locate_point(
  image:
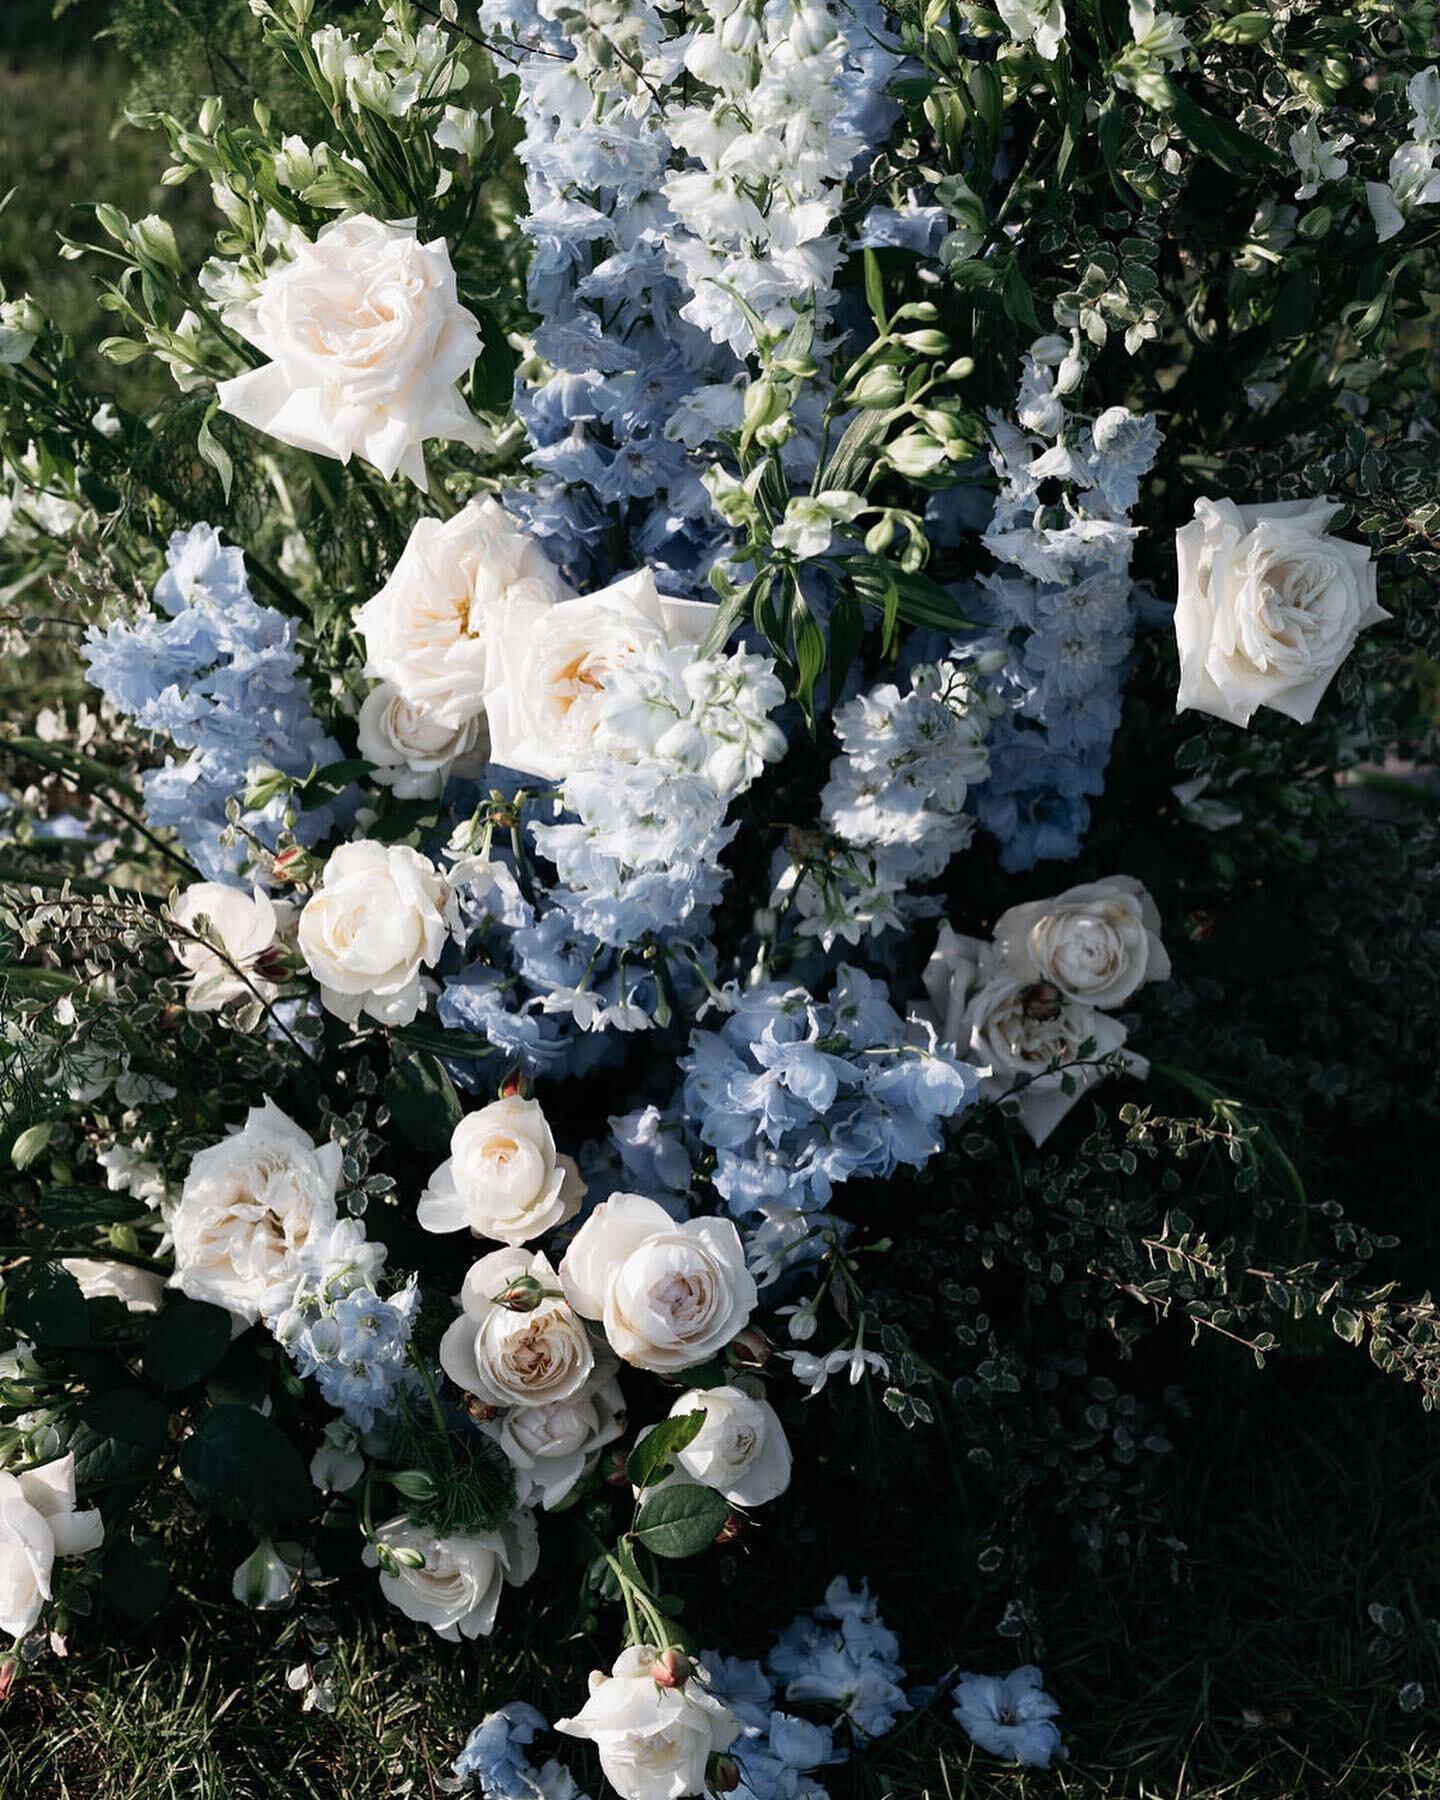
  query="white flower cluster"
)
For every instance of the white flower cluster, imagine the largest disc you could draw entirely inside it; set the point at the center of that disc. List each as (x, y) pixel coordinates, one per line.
(894, 803)
(773, 149)
(678, 739)
(1414, 179)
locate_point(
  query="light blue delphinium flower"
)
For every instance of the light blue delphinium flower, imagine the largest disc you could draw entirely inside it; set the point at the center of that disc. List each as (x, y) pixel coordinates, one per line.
(496, 1759)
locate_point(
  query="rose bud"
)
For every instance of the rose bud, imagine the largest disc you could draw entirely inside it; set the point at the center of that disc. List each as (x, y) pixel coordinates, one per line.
(293, 864)
(750, 1350)
(513, 1084)
(523, 1295)
(731, 1529)
(671, 1668)
(479, 1410)
(725, 1776)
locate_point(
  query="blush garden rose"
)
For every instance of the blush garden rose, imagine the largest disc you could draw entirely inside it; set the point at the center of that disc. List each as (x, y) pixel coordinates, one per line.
(669, 1295)
(525, 1354)
(1268, 607)
(379, 915)
(367, 339)
(504, 1178)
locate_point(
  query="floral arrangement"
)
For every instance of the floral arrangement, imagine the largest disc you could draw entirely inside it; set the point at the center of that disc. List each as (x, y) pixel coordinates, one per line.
(630, 866)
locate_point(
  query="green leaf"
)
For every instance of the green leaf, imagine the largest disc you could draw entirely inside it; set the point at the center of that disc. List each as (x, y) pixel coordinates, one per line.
(493, 375)
(46, 1304)
(136, 1575)
(650, 1459)
(847, 633)
(118, 1433)
(243, 1465)
(1214, 136)
(333, 779)
(186, 1343)
(681, 1520)
(70, 1209)
(918, 600)
(875, 292)
(423, 1102)
(212, 451)
(429, 1034)
(809, 655)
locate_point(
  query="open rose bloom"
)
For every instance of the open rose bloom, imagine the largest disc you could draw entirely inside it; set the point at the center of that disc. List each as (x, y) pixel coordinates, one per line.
(1269, 605)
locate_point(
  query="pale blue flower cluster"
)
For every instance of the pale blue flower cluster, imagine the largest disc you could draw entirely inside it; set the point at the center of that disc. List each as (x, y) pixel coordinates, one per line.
(624, 931)
(1011, 1716)
(640, 241)
(1061, 626)
(218, 675)
(338, 1330)
(843, 1655)
(496, 1759)
(794, 1094)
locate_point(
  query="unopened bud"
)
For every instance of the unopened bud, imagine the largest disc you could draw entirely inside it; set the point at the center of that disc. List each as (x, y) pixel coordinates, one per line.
(615, 1475)
(480, 1410)
(884, 386)
(293, 864)
(414, 1484)
(212, 111)
(764, 401)
(925, 343)
(725, 1776)
(523, 1295)
(750, 1350)
(30, 1143)
(515, 1083)
(272, 964)
(731, 1529)
(671, 1668)
(9, 1674)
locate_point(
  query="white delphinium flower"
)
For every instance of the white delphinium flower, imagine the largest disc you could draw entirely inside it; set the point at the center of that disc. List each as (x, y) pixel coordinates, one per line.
(1319, 160)
(1042, 24)
(1414, 181)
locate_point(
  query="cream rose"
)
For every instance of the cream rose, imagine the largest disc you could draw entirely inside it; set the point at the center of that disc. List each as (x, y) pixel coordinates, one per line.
(545, 667)
(741, 1449)
(413, 751)
(140, 1289)
(245, 927)
(427, 629)
(453, 1584)
(521, 1354)
(380, 914)
(1268, 607)
(250, 1206)
(1097, 943)
(1014, 1029)
(366, 338)
(504, 1178)
(38, 1522)
(551, 1446)
(654, 1741)
(669, 1295)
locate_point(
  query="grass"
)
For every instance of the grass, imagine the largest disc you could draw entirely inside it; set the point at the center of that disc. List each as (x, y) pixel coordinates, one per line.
(1241, 1668)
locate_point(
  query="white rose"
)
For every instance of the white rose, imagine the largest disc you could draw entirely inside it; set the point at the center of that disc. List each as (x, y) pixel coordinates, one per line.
(246, 926)
(1268, 607)
(741, 1450)
(141, 1289)
(504, 1178)
(669, 1295)
(551, 1446)
(366, 338)
(1013, 1029)
(546, 665)
(38, 1522)
(1097, 942)
(426, 630)
(250, 1206)
(654, 1741)
(380, 913)
(411, 749)
(455, 1589)
(509, 1357)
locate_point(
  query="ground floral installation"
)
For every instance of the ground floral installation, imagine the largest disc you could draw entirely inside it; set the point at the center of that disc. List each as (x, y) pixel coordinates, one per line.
(606, 653)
